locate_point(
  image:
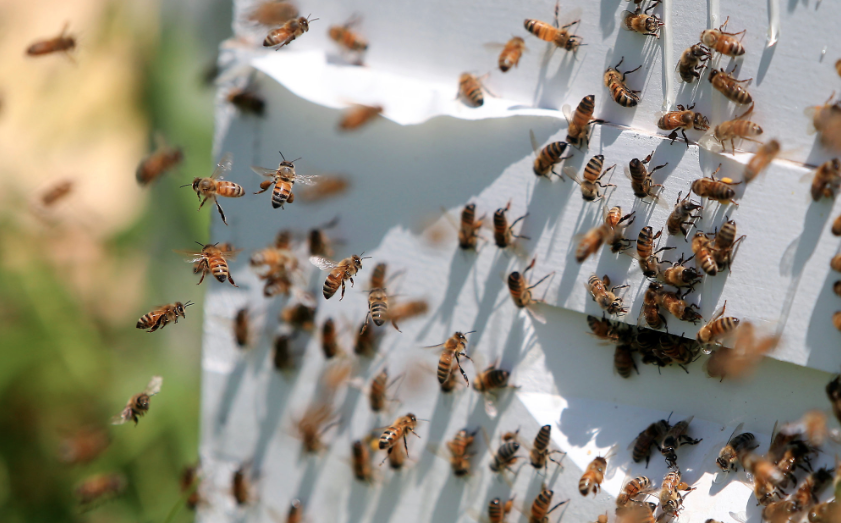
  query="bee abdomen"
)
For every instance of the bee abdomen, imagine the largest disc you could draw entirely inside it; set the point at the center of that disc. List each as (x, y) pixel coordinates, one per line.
(378, 312)
(230, 189)
(541, 441)
(331, 285)
(387, 439)
(280, 194)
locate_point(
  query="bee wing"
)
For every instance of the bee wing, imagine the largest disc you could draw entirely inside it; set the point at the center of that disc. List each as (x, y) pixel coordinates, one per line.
(493, 46)
(572, 174)
(536, 315)
(741, 517)
(627, 171)
(660, 201)
(490, 407)
(534, 145)
(190, 255)
(224, 166)
(154, 385)
(262, 171)
(709, 142)
(807, 177)
(736, 430)
(230, 255)
(124, 416)
(567, 110)
(310, 179)
(323, 263)
(625, 15)
(810, 112)
(570, 16)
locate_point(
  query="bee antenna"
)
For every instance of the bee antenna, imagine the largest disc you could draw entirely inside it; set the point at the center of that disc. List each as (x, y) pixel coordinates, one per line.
(188, 185)
(189, 303)
(466, 333)
(200, 244)
(419, 419)
(281, 155)
(296, 159)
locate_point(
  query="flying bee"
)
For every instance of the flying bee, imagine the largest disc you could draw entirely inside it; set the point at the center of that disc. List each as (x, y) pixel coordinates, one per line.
(282, 355)
(641, 181)
(559, 35)
(648, 437)
(64, 42)
(671, 500)
(548, 157)
(503, 233)
(591, 480)
(361, 462)
(683, 119)
(347, 39)
(188, 483)
(313, 424)
(488, 382)
(83, 446)
(718, 327)
(682, 215)
(703, 251)
(728, 457)
(804, 498)
(679, 275)
(138, 405)
(606, 299)
(242, 327)
(540, 506)
(761, 159)
(714, 189)
(726, 244)
(328, 186)
(272, 13)
(300, 316)
(635, 487)
(100, 487)
(642, 512)
(676, 305)
(247, 101)
(497, 510)
(642, 23)
(676, 437)
(339, 272)
(399, 429)
(826, 120)
(377, 397)
(212, 260)
(378, 309)
(318, 242)
(468, 236)
(161, 160)
(646, 254)
(511, 53)
(470, 89)
(520, 290)
(722, 42)
(540, 455)
(214, 186)
(460, 457)
(610, 232)
(726, 84)
(288, 32)
(330, 339)
(614, 80)
(590, 181)
(454, 348)
(579, 122)
(55, 193)
(162, 315)
(408, 310)
(359, 115)
(692, 60)
(733, 129)
(365, 343)
(826, 180)
(623, 360)
(283, 178)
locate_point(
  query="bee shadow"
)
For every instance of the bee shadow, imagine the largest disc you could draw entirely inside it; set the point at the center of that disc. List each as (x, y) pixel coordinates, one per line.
(229, 394)
(460, 266)
(388, 500)
(489, 302)
(607, 20)
(437, 428)
(449, 497)
(821, 328)
(276, 391)
(358, 501)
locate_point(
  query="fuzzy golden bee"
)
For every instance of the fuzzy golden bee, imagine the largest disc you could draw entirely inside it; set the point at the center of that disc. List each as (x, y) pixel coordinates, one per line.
(470, 90)
(590, 180)
(212, 187)
(641, 182)
(692, 60)
(715, 189)
(63, 43)
(726, 243)
(455, 347)
(339, 272)
(611, 233)
(401, 427)
(702, 249)
(646, 255)
(468, 236)
(671, 500)
(503, 232)
(138, 405)
(679, 275)
(348, 39)
(511, 53)
(723, 42)
(559, 35)
(682, 120)
(682, 216)
(161, 160)
(593, 476)
(283, 178)
(540, 507)
(162, 315)
(826, 180)
(540, 454)
(547, 157)
(642, 23)
(520, 290)
(359, 115)
(579, 122)
(288, 32)
(675, 303)
(717, 328)
(614, 80)
(652, 435)
(761, 159)
(212, 260)
(378, 309)
(735, 129)
(460, 457)
(726, 84)
(606, 299)
(634, 488)
(497, 510)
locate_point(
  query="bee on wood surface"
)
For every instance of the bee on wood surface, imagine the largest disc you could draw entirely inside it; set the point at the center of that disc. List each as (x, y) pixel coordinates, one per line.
(339, 272)
(511, 53)
(313, 424)
(703, 252)
(683, 119)
(761, 159)
(497, 510)
(330, 339)
(559, 35)
(650, 310)
(675, 303)
(606, 299)
(590, 181)
(679, 275)
(679, 350)
(520, 290)
(676, 437)
(725, 244)
(540, 510)
(503, 233)
(682, 215)
(64, 42)
(646, 255)
(623, 360)
(642, 512)
(546, 158)
(359, 115)
(614, 80)
(603, 329)
(377, 394)
(283, 178)
(652, 435)
(83, 446)
(826, 120)
(361, 462)
(214, 186)
(459, 457)
(717, 328)
(288, 32)
(505, 455)
(726, 84)
(378, 309)
(801, 500)
(99, 488)
(468, 235)
(399, 429)
(212, 260)
(579, 122)
(161, 160)
(348, 39)
(138, 405)
(642, 23)
(826, 180)
(722, 42)
(273, 13)
(692, 60)
(470, 89)
(454, 347)
(540, 454)
(733, 129)
(641, 182)
(241, 487)
(162, 315)
(593, 476)
(671, 500)
(715, 189)
(728, 457)
(638, 486)
(243, 333)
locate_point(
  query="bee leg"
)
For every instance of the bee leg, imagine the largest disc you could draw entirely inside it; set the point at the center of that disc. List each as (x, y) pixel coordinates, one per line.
(343, 291)
(394, 324)
(231, 279)
(673, 137)
(570, 24)
(682, 132)
(221, 212)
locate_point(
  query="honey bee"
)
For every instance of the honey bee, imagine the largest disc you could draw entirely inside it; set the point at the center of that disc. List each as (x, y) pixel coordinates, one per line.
(55, 193)
(470, 90)
(288, 32)
(678, 350)
(214, 260)
(468, 237)
(614, 80)
(728, 457)
(762, 159)
(722, 42)
(138, 405)
(359, 115)
(365, 343)
(826, 120)
(347, 39)
(247, 101)
(313, 424)
(683, 119)
(296, 512)
(714, 189)
(242, 327)
(328, 187)
(650, 309)
(64, 42)
(488, 382)
(540, 455)
(726, 84)
(678, 275)
(733, 129)
(676, 437)
(609, 232)
(835, 263)
(703, 251)
(361, 462)
(591, 480)
(399, 429)
(498, 510)
(454, 348)
(540, 506)
(642, 23)
(505, 455)
(823, 512)
(339, 272)
(717, 328)
(803, 499)
(273, 13)
(671, 500)
(407, 310)
(826, 180)
(282, 355)
(726, 244)
(318, 243)
(682, 215)
(548, 157)
(641, 512)
(511, 53)
(606, 299)
(458, 447)
(623, 361)
(396, 458)
(692, 60)
(329, 339)
(100, 487)
(641, 181)
(378, 309)
(214, 186)
(377, 393)
(561, 36)
(161, 160)
(241, 485)
(579, 122)
(283, 178)
(162, 315)
(635, 487)
(189, 483)
(503, 233)
(520, 290)
(590, 179)
(602, 328)
(84, 446)
(300, 316)
(646, 254)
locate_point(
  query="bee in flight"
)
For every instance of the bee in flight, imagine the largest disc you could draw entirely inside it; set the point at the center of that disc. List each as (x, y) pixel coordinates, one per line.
(470, 90)
(162, 159)
(214, 186)
(358, 115)
(100, 487)
(61, 43)
(339, 272)
(248, 101)
(401, 427)
(288, 32)
(273, 13)
(559, 35)
(212, 259)
(511, 53)
(347, 39)
(138, 405)
(283, 178)
(160, 316)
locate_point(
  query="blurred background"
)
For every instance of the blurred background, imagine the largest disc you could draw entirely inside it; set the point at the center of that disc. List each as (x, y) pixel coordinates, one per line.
(75, 276)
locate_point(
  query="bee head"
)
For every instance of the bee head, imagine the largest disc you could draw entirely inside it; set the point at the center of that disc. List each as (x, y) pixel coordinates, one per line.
(708, 37)
(722, 463)
(713, 74)
(700, 122)
(636, 164)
